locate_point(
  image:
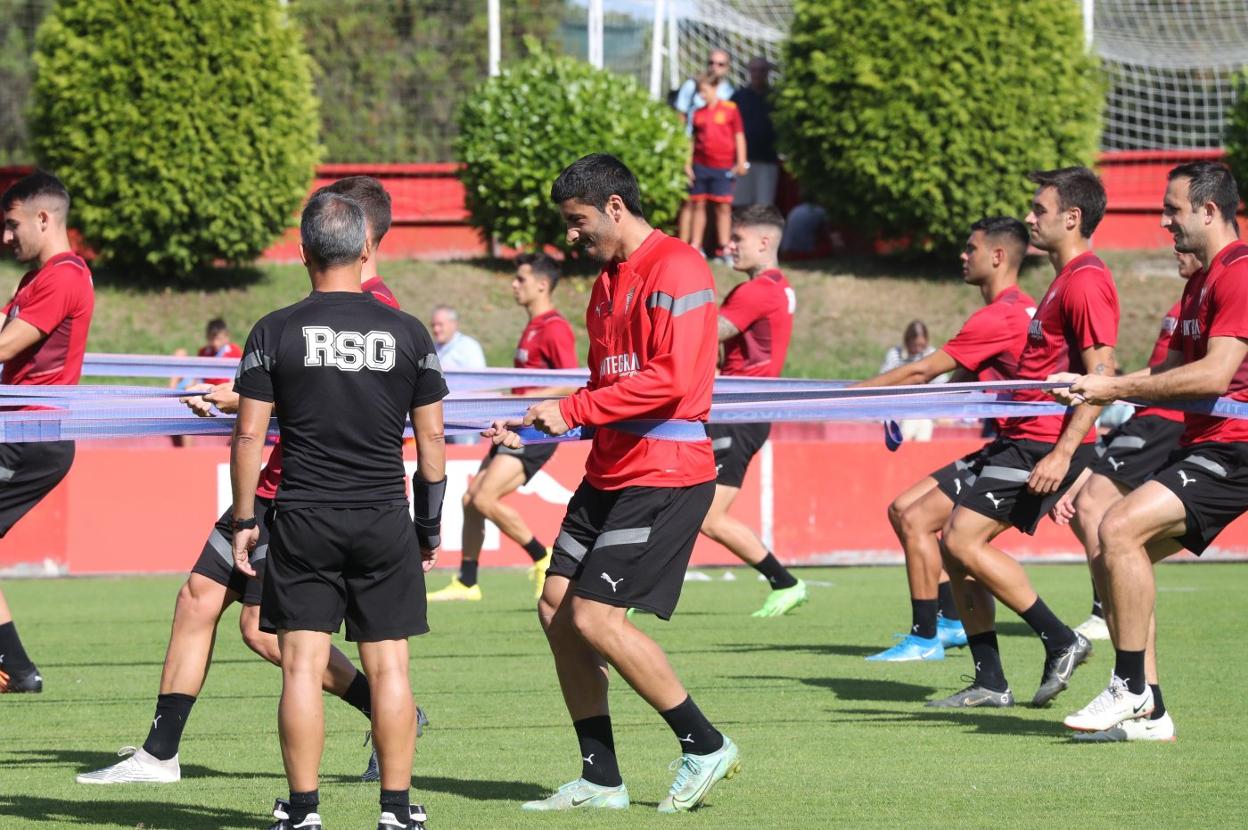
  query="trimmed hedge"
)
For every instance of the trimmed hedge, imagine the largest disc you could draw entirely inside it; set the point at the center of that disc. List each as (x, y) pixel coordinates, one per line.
(519, 130)
(1236, 141)
(910, 119)
(186, 131)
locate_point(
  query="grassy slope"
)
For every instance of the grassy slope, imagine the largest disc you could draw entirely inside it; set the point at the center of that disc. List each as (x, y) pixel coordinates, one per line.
(828, 740)
(849, 311)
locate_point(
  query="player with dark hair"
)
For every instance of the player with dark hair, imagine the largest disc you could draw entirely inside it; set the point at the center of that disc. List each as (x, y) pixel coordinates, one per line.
(755, 324)
(1128, 456)
(1036, 459)
(547, 342)
(43, 339)
(218, 344)
(214, 583)
(987, 347)
(631, 525)
(1204, 485)
(343, 373)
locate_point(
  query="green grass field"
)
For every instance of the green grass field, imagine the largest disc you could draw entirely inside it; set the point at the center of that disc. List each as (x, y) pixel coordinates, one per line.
(827, 739)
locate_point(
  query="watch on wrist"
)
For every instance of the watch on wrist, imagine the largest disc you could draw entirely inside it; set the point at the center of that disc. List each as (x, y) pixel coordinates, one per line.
(244, 524)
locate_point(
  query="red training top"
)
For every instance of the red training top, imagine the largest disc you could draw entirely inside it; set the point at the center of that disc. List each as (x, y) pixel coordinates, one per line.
(715, 131)
(652, 347)
(229, 350)
(58, 299)
(1080, 310)
(991, 340)
(547, 342)
(1215, 304)
(762, 310)
(1160, 349)
(271, 475)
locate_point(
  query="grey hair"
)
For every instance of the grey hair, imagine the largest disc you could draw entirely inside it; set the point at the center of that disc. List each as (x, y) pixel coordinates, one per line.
(333, 230)
(452, 313)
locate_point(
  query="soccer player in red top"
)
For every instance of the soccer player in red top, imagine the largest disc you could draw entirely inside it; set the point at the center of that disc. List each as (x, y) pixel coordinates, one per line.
(1204, 487)
(547, 342)
(649, 480)
(1036, 459)
(218, 345)
(42, 342)
(1130, 455)
(214, 584)
(717, 157)
(755, 324)
(987, 347)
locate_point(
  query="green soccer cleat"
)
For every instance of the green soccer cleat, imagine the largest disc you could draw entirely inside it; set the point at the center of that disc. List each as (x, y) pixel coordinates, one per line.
(784, 600)
(696, 774)
(581, 794)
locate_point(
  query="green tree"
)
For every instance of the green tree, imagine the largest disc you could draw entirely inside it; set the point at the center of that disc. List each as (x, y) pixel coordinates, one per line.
(1236, 141)
(913, 118)
(185, 130)
(18, 20)
(519, 130)
(390, 72)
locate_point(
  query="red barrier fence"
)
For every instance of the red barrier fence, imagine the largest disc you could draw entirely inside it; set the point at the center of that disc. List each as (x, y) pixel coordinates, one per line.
(430, 220)
(149, 509)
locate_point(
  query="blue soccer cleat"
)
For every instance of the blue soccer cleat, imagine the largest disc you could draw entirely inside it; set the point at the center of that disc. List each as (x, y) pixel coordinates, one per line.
(912, 649)
(950, 633)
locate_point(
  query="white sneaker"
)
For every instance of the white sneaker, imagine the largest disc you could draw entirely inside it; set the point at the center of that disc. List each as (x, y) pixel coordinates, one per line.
(1111, 707)
(140, 768)
(1094, 628)
(1140, 729)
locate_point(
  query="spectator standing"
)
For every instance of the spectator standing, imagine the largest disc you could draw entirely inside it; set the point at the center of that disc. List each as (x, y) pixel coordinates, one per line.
(456, 350)
(687, 101)
(716, 158)
(758, 185)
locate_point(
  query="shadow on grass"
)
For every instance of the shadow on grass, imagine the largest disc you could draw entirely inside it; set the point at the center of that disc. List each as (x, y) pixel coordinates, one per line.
(61, 812)
(831, 649)
(855, 688)
(974, 721)
(471, 788)
(85, 761)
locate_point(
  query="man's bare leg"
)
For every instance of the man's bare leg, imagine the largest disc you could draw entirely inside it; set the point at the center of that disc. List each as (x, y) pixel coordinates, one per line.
(735, 535)
(301, 716)
(394, 720)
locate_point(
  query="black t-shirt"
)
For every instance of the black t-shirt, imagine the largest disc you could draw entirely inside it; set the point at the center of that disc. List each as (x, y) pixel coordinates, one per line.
(343, 372)
(760, 133)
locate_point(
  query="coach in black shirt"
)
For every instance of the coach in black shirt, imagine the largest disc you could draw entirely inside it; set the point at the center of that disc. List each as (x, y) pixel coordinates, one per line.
(343, 372)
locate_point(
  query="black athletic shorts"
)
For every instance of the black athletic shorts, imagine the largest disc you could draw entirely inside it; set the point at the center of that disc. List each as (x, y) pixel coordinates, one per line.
(955, 479)
(361, 564)
(216, 560)
(28, 472)
(1211, 480)
(531, 456)
(1000, 490)
(631, 547)
(1131, 453)
(735, 445)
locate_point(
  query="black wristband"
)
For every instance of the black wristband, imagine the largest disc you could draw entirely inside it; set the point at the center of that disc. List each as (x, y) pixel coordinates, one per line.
(243, 524)
(427, 510)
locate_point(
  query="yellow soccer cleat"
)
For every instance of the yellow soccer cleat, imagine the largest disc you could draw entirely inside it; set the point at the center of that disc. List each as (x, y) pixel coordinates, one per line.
(456, 591)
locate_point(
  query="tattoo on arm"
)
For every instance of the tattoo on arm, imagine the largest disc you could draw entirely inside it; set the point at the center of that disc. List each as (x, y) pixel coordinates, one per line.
(1099, 369)
(727, 329)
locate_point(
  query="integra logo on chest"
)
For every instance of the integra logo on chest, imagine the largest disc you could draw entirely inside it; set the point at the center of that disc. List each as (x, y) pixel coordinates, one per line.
(349, 351)
(619, 364)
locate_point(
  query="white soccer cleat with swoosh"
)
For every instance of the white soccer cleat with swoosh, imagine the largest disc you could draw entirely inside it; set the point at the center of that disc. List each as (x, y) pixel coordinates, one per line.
(1111, 707)
(581, 795)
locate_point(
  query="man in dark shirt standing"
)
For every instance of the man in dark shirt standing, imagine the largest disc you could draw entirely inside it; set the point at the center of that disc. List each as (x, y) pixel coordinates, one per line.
(342, 544)
(758, 185)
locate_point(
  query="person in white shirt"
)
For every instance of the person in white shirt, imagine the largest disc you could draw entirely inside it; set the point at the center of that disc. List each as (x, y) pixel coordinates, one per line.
(915, 346)
(456, 350)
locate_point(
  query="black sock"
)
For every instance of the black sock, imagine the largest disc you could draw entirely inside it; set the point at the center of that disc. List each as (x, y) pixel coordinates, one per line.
(923, 617)
(303, 803)
(1098, 610)
(987, 657)
(1129, 668)
(396, 803)
(693, 730)
(948, 608)
(1159, 707)
(777, 575)
(598, 762)
(1054, 633)
(359, 695)
(166, 733)
(535, 549)
(468, 572)
(12, 654)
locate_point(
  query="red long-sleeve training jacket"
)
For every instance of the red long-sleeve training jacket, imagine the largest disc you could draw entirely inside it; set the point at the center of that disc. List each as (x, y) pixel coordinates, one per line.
(653, 344)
